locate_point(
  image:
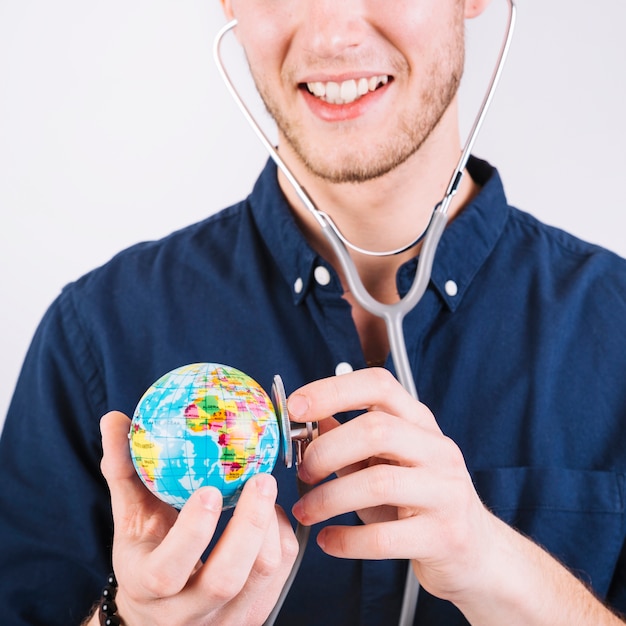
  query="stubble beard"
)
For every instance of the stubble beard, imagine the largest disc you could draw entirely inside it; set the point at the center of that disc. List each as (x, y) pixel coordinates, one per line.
(383, 153)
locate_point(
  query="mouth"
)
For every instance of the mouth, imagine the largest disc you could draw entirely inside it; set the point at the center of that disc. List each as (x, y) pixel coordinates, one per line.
(347, 91)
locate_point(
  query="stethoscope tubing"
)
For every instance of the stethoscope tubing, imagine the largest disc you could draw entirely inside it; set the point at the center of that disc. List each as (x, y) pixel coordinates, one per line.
(393, 314)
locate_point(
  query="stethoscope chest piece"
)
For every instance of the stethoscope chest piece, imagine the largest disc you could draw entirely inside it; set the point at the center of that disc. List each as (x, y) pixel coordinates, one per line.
(292, 435)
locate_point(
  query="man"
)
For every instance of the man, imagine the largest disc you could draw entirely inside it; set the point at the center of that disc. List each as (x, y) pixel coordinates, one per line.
(516, 347)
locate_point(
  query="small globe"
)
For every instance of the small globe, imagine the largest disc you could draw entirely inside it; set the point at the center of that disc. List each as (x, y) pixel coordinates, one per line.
(199, 425)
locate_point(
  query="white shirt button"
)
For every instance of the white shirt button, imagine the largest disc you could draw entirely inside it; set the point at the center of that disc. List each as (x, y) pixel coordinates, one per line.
(298, 285)
(322, 275)
(343, 368)
(452, 289)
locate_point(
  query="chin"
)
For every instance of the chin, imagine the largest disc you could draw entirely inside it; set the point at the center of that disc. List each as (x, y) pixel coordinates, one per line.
(350, 170)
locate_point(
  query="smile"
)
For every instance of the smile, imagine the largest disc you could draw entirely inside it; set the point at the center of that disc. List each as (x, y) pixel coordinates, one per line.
(347, 91)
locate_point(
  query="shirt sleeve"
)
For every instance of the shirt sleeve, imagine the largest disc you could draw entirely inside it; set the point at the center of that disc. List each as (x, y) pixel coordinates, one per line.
(55, 519)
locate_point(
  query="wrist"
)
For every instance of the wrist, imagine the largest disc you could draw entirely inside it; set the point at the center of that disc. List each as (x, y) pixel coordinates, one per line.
(508, 563)
(520, 583)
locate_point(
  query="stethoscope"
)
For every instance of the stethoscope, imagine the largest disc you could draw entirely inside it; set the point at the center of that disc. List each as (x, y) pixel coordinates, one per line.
(392, 314)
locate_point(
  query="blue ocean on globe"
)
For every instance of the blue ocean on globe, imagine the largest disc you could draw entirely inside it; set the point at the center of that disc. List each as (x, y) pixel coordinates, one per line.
(203, 424)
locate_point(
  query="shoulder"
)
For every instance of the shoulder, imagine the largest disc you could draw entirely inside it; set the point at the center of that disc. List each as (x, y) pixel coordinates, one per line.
(527, 240)
(562, 240)
(140, 284)
(179, 246)
(576, 288)
(558, 253)
(183, 251)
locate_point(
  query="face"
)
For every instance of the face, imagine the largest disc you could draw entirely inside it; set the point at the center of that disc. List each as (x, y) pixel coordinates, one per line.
(356, 86)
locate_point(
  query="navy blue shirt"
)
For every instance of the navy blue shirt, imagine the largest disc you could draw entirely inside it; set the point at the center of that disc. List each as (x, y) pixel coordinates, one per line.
(523, 364)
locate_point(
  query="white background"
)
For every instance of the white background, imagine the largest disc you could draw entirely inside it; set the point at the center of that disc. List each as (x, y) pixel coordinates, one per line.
(115, 128)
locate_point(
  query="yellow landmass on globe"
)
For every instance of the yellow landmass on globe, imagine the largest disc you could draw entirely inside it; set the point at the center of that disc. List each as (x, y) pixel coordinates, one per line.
(240, 448)
(208, 412)
(146, 454)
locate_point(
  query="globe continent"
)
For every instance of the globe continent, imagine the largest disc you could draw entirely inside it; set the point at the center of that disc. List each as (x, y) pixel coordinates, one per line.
(203, 424)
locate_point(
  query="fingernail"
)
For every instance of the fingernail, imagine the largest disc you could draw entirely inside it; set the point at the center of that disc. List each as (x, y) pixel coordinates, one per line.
(303, 475)
(211, 500)
(298, 405)
(264, 484)
(298, 511)
(321, 539)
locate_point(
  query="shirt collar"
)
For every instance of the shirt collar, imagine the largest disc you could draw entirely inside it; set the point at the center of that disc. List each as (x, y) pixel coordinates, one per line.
(464, 246)
(275, 221)
(469, 239)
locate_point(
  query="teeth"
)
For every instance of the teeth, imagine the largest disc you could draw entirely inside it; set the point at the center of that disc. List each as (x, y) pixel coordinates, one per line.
(363, 87)
(333, 92)
(348, 91)
(317, 89)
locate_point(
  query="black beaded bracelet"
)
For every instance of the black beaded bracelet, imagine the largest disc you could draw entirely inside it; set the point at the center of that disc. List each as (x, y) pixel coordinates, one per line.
(107, 612)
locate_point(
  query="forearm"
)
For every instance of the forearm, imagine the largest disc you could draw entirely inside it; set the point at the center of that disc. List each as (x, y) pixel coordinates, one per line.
(526, 585)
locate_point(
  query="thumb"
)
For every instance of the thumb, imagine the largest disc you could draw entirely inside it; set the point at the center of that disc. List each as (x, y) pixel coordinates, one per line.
(117, 467)
(116, 463)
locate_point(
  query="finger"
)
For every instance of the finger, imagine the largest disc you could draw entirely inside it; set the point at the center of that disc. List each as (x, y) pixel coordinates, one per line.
(278, 551)
(391, 540)
(177, 556)
(287, 547)
(269, 557)
(116, 462)
(271, 569)
(229, 565)
(141, 519)
(125, 486)
(376, 486)
(373, 434)
(328, 424)
(367, 389)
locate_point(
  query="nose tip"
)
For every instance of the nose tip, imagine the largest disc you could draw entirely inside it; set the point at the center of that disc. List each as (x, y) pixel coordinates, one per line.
(332, 27)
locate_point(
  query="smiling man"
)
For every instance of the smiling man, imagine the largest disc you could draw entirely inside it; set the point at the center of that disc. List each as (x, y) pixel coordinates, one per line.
(328, 87)
(502, 491)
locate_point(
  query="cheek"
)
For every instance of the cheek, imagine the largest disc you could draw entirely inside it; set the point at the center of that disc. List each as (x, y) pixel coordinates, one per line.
(262, 20)
(427, 31)
(263, 36)
(418, 22)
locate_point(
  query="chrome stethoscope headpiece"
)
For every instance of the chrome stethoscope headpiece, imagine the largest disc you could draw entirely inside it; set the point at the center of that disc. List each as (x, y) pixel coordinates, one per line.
(292, 434)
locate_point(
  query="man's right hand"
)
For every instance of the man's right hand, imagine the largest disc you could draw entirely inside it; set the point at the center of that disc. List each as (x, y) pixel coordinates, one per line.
(157, 550)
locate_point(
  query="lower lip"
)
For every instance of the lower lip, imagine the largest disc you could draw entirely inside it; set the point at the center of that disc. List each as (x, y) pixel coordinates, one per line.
(343, 112)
